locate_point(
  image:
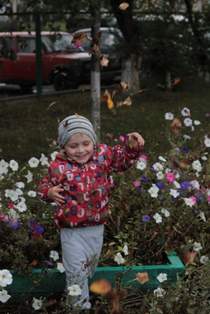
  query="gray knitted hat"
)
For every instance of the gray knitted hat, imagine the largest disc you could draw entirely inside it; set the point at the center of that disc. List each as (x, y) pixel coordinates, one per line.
(75, 124)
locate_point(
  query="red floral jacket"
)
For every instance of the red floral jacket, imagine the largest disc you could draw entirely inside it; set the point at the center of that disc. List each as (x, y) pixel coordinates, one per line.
(86, 186)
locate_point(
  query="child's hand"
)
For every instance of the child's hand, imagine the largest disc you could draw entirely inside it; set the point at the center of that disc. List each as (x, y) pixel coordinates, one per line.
(54, 194)
(135, 140)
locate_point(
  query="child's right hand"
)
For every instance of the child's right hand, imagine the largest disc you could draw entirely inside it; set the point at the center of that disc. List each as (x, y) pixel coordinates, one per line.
(54, 194)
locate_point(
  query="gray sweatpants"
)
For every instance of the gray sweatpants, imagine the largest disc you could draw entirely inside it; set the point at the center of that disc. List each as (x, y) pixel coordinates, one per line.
(81, 249)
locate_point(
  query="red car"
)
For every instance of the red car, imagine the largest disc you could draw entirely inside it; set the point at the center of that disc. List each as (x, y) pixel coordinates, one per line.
(61, 62)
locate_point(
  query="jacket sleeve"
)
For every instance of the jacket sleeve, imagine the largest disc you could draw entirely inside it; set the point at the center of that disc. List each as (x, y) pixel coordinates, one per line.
(122, 157)
(46, 183)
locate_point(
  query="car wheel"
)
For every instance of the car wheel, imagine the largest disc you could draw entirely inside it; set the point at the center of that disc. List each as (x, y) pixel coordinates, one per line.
(62, 81)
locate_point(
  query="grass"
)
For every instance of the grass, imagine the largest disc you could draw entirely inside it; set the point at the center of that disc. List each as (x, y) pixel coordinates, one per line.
(29, 127)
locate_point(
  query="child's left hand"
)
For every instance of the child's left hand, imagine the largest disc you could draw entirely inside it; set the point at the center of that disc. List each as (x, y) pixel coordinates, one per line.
(135, 140)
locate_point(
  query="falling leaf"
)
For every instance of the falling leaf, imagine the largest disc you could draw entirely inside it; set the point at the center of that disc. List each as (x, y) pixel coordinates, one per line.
(142, 277)
(124, 85)
(126, 102)
(189, 257)
(176, 81)
(108, 98)
(123, 6)
(176, 126)
(101, 286)
(104, 61)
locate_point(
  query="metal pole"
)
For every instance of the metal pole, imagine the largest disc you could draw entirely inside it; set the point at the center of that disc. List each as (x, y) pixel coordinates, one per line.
(38, 54)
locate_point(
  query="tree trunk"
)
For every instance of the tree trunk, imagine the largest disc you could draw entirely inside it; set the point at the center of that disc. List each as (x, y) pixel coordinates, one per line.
(95, 79)
(131, 71)
(133, 52)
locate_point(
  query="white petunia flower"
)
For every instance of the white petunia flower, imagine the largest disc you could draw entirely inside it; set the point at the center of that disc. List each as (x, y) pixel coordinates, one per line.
(141, 164)
(196, 165)
(5, 278)
(161, 158)
(119, 259)
(44, 160)
(54, 255)
(204, 259)
(185, 112)
(19, 192)
(188, 122)
(13, 195)
(158, 218)
(153, 191)
(20, 185)
(53, 155)
(177, 184)
(189, 201)
(74, 290)
(159, 292)
(32, 193)
(4, 296)
(60, 268)
(3, 167)
(197, 122)
(160, 175)
(125, 249)
(29, 176)
(197, 246)
(13, 165)
(165, 212)
(13, 214)
(37, 304)
(195, 184)
(204, 158)
(202, 216)
(21, 206)
(174, 193)
(157, 166)
(33, 162)
(169, 116)
(162, 277)
(187, 137)
(207, 141)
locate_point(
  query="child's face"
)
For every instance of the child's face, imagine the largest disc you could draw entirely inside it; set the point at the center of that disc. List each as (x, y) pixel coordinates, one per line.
(79, 148)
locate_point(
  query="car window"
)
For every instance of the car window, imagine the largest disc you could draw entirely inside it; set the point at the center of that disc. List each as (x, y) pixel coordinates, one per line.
(62, 42)
(109, 41)
(6, 46)
(26, 44)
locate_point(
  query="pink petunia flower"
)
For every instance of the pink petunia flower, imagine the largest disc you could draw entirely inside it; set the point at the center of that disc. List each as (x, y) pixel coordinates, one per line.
(170, 177)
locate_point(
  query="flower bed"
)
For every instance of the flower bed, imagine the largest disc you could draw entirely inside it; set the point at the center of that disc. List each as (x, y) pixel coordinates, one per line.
(43, 283)
(160, 206)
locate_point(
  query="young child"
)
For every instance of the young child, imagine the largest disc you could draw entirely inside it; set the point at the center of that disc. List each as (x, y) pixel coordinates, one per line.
(79, 182)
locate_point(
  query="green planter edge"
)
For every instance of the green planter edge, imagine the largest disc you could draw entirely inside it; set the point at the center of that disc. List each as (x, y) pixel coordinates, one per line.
(46, 282)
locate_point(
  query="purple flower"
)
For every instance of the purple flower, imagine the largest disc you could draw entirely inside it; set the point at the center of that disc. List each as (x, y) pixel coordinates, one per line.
(185, 149)
(14, 224)
(144, 179)
(160, 185)
(185, 185)
(36, 228)
(146, 218)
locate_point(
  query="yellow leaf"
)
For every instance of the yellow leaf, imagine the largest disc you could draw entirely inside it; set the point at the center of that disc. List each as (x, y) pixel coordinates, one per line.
(142, 277)
(101, 286)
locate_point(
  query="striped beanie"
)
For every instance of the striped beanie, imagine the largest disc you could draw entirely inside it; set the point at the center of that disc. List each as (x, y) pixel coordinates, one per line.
(75, 124)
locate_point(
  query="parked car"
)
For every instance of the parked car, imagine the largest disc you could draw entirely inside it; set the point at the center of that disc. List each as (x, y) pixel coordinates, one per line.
(64, 64)
(60, 64)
